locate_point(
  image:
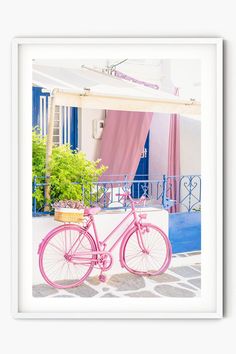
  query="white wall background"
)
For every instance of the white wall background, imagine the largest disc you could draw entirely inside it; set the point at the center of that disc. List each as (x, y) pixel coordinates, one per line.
(88, 144)
(186, 75)
(190, 146)
(99, 18)
(158, 149)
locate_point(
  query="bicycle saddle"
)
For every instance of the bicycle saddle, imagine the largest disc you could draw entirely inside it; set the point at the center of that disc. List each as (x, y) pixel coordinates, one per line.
(91, 211)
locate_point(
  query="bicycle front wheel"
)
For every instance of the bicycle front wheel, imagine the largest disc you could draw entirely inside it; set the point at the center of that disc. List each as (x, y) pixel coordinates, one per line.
(60, 262)
(158, 256)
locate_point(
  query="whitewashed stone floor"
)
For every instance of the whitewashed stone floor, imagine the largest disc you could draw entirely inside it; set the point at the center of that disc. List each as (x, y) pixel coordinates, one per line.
(177, 281)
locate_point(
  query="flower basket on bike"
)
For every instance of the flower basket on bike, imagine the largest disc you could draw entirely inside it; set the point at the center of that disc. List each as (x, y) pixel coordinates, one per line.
(69, 211)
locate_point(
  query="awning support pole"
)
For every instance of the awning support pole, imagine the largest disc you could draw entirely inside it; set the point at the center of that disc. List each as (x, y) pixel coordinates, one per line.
(51, 113)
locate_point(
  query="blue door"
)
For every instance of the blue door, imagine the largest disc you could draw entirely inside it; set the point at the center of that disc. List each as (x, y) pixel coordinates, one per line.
(141, 188)
(65, 121)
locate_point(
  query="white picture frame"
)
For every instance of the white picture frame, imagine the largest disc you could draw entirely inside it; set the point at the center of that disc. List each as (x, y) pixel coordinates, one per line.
(210, 304)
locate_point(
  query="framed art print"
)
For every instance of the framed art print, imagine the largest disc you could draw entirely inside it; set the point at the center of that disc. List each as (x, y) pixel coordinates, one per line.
(117, 177)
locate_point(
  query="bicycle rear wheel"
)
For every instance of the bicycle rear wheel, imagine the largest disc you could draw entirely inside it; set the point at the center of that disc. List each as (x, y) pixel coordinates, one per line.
(56, 262)
(158, 257)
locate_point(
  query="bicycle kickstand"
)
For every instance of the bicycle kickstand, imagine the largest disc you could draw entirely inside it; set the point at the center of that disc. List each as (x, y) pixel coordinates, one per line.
(102, 277)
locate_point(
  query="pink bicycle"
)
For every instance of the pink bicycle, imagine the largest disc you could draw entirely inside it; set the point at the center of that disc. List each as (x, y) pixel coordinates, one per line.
(68, 254)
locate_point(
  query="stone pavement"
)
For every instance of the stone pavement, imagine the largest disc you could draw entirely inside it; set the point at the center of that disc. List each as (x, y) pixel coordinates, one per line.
(177, 281)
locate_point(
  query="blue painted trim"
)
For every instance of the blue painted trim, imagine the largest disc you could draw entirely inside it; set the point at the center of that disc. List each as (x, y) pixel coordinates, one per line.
(142, 173)
(185, 231)
(74, 128)
(62, 125)
(36, 93)
(74, 116)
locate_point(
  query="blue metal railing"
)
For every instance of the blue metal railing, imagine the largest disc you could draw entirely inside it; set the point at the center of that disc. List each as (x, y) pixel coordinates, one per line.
(164, 192)
(187, 191)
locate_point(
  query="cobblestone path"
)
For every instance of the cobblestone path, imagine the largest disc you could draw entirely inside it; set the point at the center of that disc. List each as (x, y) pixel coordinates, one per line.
(178, 281)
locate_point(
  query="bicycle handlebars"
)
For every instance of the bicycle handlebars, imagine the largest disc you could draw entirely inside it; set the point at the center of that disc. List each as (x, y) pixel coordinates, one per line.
(127, 195)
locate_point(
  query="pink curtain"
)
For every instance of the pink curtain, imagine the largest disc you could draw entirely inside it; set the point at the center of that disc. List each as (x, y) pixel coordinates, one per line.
(123, 140)
(174, 159)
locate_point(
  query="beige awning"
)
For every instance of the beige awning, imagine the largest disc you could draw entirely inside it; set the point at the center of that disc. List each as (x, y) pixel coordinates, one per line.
(92, 89)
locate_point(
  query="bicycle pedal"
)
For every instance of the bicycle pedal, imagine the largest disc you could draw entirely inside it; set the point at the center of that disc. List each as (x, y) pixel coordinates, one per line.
(102, 278)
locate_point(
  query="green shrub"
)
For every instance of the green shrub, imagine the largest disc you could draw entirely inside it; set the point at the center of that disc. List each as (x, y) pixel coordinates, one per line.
(66, 169)
(38, 153)
(38, 165)
(71, 173)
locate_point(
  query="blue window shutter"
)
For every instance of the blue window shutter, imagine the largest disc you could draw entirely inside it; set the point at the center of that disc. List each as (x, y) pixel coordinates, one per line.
(74, 118)
(74, 128)
(36, 94)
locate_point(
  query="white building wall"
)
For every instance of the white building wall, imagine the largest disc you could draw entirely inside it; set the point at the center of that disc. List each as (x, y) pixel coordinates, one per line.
(159, 130)
(88, 144)
(158, 145)
(190, 161)
(186, 75)
(190, 146)
(138, 69)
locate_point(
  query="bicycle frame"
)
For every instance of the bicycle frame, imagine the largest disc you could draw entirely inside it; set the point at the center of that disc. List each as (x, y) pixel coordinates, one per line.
(101, 245)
